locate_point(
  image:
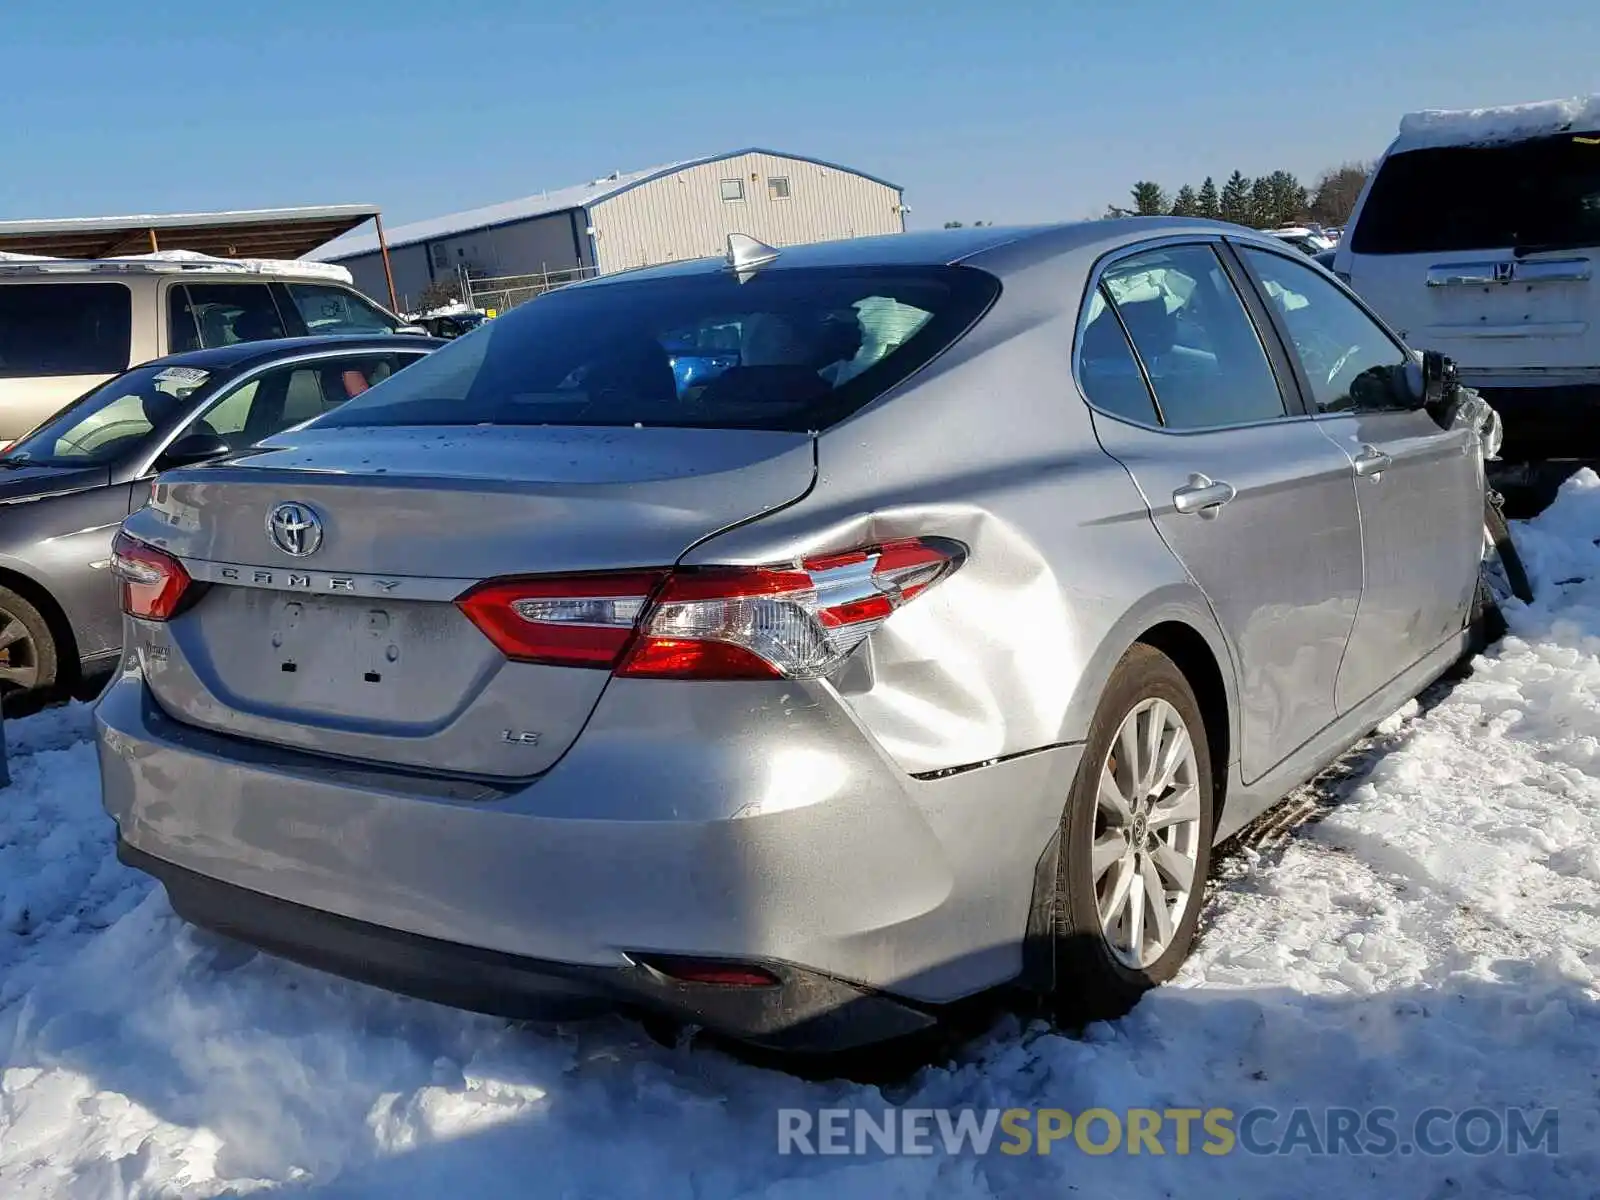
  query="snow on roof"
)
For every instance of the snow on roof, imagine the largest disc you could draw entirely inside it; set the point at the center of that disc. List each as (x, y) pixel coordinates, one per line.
(178, 260)
(1487, 126)
(578, 196)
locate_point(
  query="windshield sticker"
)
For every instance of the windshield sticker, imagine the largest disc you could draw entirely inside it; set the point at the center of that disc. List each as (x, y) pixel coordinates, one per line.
(187, 376)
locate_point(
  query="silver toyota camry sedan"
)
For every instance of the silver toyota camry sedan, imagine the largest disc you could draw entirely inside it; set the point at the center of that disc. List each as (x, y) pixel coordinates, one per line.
(796, 643)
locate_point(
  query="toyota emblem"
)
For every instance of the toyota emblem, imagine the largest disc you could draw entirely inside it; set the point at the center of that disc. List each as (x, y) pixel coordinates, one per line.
(294, 528)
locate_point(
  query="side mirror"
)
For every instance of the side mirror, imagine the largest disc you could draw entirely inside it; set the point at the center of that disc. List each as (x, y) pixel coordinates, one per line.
(1439, 381)
(193, 448)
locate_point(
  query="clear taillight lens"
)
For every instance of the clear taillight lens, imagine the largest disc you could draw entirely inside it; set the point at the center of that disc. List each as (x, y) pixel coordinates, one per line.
(791, 622)
(153, 582)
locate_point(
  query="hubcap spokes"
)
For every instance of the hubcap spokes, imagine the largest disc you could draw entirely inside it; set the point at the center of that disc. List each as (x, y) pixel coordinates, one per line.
(1147, 833)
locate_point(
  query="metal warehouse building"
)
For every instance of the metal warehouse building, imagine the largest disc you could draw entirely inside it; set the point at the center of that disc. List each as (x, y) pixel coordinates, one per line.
(685, 210)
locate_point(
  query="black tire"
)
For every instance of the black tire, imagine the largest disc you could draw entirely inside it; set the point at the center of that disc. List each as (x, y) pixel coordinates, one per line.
(28, 663)
(1494, 524)
(1485, 626)
(1091, 981)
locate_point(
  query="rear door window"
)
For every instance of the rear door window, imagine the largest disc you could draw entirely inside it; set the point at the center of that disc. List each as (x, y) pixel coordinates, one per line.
(796, 349)
(1196, 341)
(295, 392)
(206, 315)
(49, 329)
(1539, 193)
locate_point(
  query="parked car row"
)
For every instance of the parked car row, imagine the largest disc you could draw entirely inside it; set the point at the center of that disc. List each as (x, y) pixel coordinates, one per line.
(793, 645)
(69, 324)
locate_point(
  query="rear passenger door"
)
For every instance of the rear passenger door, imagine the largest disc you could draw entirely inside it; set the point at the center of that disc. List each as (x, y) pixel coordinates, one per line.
(1419, 487)
(1258, 506)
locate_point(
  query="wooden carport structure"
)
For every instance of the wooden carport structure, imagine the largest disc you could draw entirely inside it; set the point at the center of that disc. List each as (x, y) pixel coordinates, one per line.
(260, 233)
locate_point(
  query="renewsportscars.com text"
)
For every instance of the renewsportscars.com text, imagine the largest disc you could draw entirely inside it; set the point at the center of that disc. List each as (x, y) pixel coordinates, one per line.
(1180, 1131)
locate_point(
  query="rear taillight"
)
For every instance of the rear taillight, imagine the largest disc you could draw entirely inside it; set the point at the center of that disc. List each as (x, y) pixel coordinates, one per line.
(569, 621)
(790, 622)
(153, 582)
(783, 623)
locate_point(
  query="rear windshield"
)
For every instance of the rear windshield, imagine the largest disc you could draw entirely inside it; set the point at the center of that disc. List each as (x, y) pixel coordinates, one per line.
(64, 329)
(791, 349)
(1543, 193)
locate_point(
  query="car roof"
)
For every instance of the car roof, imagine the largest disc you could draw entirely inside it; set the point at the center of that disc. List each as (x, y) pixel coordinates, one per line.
(249, 354)
(977, 246)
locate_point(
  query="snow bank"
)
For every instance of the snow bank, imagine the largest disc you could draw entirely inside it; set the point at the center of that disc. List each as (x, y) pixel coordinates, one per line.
(1485, 126)
(1433, 940)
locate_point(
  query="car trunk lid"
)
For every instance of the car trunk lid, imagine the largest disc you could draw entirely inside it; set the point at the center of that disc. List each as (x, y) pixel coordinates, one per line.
(355, 646)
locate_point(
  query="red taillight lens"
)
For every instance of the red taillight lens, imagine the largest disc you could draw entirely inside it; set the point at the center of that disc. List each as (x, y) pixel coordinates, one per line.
(153, 582)
(787, 623)
(795, 622)
(568, 621)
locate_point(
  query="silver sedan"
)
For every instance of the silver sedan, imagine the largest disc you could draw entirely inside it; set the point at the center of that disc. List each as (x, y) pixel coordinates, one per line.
(797, 643)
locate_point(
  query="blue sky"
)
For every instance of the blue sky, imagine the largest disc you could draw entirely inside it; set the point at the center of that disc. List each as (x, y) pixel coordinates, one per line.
(1007, 110)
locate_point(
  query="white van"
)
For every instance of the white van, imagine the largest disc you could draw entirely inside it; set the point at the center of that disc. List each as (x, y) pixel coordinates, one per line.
(67, 325)
(1479, 236)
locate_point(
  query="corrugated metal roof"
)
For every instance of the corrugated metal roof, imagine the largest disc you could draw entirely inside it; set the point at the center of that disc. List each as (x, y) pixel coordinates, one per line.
(256, 233)
(579, 196)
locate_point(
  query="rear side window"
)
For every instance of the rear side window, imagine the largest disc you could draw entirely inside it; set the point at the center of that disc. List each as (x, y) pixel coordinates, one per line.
(795, 349)
(206, 315)
(64, 329)
(1107, 369)
(1194, 338)
(1539, 193)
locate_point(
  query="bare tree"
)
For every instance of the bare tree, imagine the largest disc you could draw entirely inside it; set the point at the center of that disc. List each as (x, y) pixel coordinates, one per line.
(1334, 195)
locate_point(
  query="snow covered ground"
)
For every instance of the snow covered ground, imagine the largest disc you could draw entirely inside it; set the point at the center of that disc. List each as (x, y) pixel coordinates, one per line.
(1432, 941)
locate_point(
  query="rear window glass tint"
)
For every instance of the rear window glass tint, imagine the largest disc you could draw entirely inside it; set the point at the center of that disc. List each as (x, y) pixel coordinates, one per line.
(207, 315)
(64, 329)
(1543, 192)
(795, 350)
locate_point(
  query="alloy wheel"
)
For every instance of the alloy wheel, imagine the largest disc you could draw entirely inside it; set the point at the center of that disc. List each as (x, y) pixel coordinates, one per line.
(1147, 833)
(19, 656)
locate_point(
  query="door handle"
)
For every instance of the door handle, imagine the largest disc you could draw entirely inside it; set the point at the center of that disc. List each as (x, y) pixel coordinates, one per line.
(1202, 496)
(1372, 461)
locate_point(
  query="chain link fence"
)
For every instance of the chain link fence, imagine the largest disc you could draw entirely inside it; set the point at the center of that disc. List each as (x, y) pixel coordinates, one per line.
(507, 291)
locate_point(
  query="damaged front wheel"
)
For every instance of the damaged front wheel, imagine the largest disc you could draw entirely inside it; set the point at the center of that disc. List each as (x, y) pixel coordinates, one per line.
(1502, 565)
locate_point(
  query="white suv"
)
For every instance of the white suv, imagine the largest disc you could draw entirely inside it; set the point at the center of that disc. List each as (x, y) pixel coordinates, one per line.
(67, 325)
(1479, 236)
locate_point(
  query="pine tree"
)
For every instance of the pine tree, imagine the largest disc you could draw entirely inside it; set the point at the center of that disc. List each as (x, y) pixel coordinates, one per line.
(1149, 200)
(1206, 204)
(1263, 206)
(1236, 199)
(1185, 204)
(1289, 199)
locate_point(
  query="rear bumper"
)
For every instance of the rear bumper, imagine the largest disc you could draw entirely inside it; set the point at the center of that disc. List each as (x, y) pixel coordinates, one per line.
(1548, 423)
(748, 825)
(804, 1012)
